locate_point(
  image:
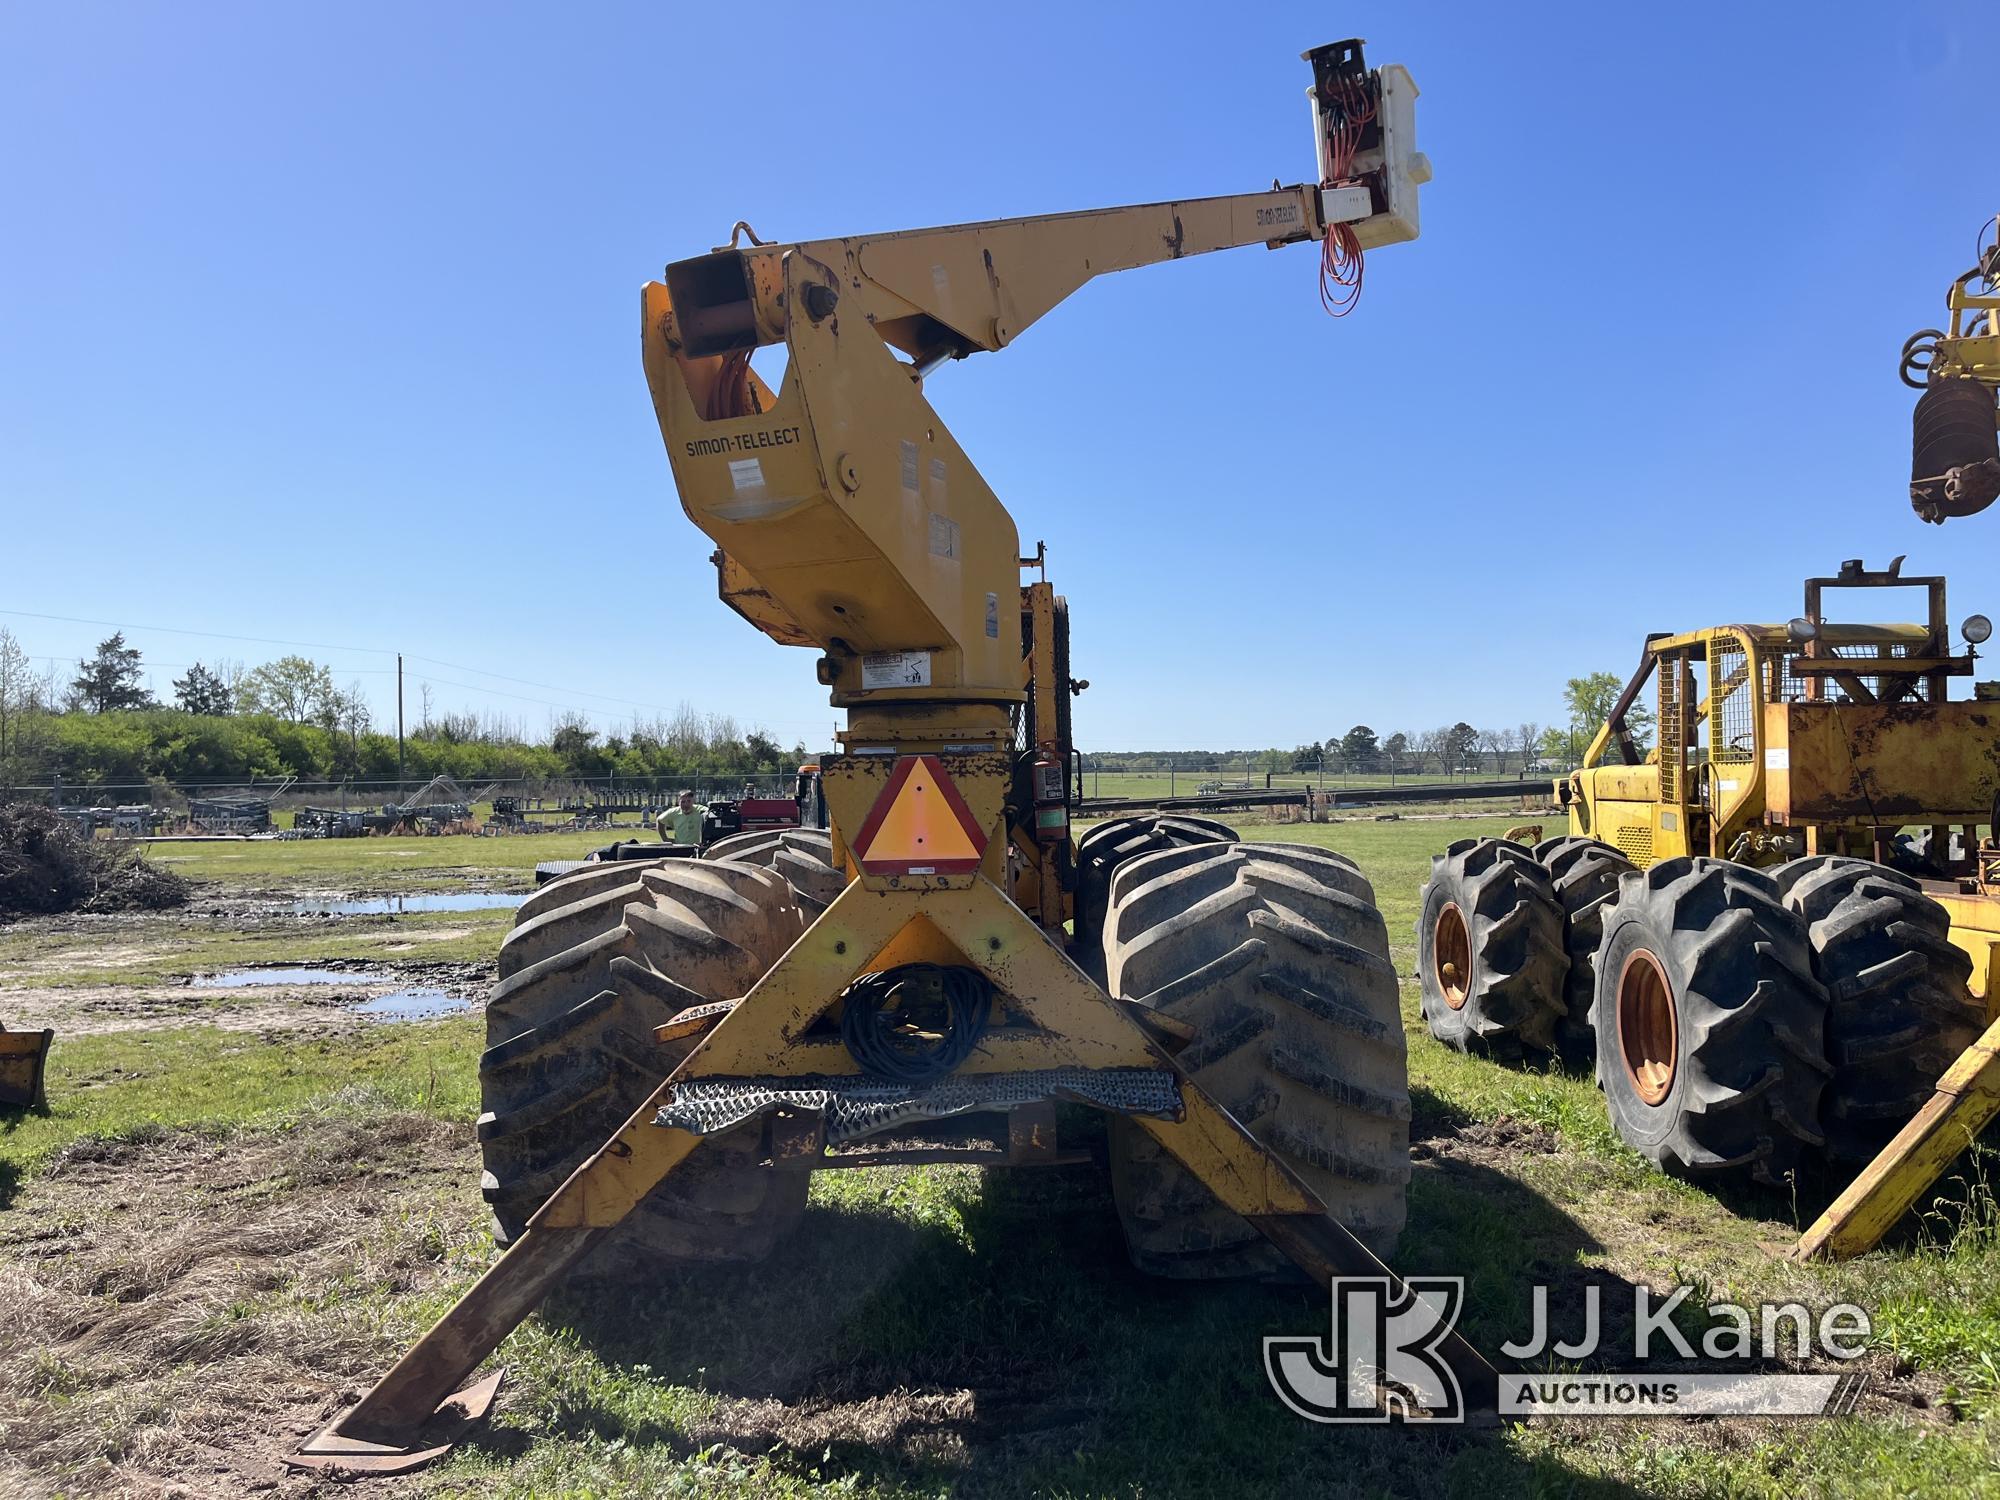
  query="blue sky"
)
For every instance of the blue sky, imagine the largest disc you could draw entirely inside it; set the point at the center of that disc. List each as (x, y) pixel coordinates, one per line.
(319, 324)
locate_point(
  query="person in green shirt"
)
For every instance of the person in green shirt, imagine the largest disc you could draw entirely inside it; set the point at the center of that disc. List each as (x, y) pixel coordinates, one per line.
(682, 824)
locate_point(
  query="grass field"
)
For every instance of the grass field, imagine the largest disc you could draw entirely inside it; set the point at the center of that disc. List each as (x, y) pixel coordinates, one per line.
(377, 864)
(1188, 783)
(213, 1237)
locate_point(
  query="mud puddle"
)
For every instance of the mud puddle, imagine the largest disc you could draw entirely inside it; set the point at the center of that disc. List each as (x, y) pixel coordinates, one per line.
(397, 906)
(257, 979)
(411, 1005)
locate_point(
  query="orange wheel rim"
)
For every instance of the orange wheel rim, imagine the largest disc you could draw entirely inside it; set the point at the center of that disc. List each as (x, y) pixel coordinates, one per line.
(1649, 1035)
(1451, 956)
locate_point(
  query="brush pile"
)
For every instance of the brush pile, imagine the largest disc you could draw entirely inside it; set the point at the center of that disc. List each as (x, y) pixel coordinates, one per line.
(46, 866)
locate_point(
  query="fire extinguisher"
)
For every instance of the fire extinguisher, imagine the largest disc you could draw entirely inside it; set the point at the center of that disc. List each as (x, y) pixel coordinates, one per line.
(1051, 797)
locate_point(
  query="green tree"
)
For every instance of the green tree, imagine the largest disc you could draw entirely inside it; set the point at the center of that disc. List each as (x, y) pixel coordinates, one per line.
(576, 744)
(1460, 744)
(1307, 757)
(290, 688)
(1589, 701)
(203, 692)
(15, 678)
(764, 752)
(109, 682)
(1396, 747)
(1358, 748)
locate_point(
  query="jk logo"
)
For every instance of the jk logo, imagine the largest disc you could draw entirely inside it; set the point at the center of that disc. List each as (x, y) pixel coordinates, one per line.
(1380, 1359)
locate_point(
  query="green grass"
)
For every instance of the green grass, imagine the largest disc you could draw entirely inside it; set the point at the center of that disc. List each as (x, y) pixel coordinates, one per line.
(447, 862)
(1008, 1294)
(1188, 783)
(139, 1084)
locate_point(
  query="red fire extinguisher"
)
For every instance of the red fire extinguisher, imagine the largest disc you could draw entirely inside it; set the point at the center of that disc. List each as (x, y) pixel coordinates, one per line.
(1051, 800)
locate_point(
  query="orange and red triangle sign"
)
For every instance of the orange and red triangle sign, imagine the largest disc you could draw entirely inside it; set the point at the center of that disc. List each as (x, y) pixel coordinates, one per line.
(919, 825)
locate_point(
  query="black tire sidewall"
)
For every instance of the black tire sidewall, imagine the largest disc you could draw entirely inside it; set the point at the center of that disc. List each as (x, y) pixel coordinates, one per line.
(1447, 1025)
(1647, 1128)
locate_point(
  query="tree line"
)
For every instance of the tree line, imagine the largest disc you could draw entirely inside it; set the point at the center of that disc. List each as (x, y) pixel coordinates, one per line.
(225, 723)
(1445, 750)
(288, 717)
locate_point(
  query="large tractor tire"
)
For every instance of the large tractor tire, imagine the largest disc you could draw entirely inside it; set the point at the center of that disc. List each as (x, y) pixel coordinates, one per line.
(1899, 1013)
(589, 878)
(571, 1054)
(1490, 961)
(1101, 851)
(804, 856)
(1711, 1026)
(1277, 957)
(1584, 873)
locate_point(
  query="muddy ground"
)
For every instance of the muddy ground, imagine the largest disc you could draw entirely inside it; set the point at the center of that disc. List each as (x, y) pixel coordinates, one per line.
(49, 984)
(276, 1009)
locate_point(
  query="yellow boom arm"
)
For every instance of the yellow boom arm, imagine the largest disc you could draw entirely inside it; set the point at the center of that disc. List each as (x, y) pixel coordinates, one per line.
(845, 514)
(849, 517)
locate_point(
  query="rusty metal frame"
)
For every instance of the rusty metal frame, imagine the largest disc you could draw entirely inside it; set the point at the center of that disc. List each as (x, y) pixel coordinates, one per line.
(1057, 1018)
(24, 1060)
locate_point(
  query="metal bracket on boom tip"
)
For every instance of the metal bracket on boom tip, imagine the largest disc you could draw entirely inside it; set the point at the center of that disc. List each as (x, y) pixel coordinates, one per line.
(336, 1455)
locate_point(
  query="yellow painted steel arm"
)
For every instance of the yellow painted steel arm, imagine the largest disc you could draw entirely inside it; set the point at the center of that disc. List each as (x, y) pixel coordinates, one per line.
(1966, 1101)
(845, 513)
(961, 288)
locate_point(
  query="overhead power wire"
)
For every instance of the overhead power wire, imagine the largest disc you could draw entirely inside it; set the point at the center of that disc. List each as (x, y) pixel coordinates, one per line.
(411, 656)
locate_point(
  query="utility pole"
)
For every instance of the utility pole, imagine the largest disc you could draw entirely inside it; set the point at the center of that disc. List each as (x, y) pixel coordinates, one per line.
(399, 726)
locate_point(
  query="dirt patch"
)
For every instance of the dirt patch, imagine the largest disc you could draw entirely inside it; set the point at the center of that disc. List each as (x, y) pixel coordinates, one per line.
(1489, 1140)
(179, 1310)
(272, 1010)
(948, 1427)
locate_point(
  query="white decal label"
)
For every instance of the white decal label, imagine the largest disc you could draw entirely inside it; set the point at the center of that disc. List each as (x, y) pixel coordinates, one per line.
(1777, 759)
(944, 536)
(896, 669)
(746, 474)
(1728, 784)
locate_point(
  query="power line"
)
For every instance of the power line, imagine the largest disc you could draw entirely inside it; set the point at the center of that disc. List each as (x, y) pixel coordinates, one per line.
(217, 635)
(258, 640)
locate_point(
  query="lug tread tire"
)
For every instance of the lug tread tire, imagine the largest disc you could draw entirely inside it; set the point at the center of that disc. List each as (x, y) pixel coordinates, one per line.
(804, 856)
(1104, 849)
(571, 1054)
(1514, 994)
(1277, 957)
(588, 878)
(1584, 873)
(1751, 1016)
(1891, 1032)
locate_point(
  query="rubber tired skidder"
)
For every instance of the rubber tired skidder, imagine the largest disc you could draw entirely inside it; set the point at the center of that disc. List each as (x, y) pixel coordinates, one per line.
(1765, 967)
(675, 1047)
